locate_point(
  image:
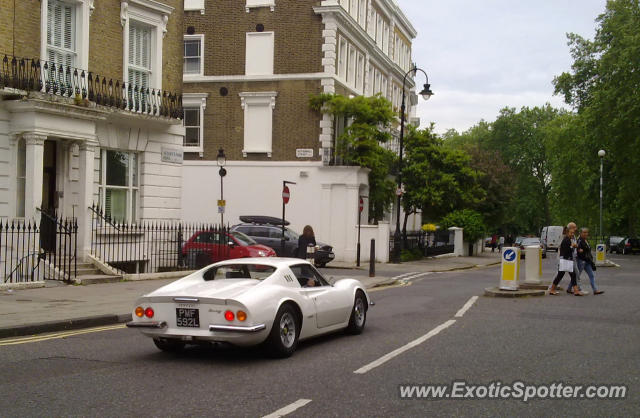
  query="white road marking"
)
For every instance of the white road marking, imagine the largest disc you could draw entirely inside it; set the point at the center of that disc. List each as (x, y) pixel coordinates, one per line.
(415, 276)
(466, 307)
(405, 274)
(288, 409)
(405, 347)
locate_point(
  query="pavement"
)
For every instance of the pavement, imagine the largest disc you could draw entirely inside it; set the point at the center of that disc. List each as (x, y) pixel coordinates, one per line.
(58, 306)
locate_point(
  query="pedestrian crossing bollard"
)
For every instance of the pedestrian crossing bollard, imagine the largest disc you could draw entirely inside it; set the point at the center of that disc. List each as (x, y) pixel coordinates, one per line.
(510, 269)
(601, 253)
(533, 264)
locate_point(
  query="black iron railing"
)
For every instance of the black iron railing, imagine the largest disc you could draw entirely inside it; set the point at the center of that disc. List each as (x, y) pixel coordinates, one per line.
(156, 246)
(31, 74)
(429, 243)
(34, 252)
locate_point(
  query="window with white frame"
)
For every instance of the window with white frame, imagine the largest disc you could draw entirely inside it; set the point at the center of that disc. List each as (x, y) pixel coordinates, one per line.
(342, 58)
(259, 53)
(379, 31)
(258, 121)
(260, 3)
(360, 73)
(144, 25)
(192, 127)
(194, 105)
(119, 188)
(139, 67)
(190, 5)
(351, 70)
(385, 38)
(61, 37)
(193, 56)
(362, 13)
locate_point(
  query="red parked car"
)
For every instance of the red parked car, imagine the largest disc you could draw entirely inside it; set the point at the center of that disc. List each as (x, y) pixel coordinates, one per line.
(207, 247)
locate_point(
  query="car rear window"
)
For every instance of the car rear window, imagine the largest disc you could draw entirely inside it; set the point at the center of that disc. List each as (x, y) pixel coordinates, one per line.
(239, 271)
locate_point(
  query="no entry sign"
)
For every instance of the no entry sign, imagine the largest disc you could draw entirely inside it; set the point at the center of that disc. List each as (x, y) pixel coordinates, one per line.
(285, 195)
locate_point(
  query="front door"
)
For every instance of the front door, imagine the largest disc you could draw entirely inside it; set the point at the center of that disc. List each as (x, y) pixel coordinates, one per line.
(49, 197)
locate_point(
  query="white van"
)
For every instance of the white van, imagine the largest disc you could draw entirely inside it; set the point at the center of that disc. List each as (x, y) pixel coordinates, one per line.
(551, 237)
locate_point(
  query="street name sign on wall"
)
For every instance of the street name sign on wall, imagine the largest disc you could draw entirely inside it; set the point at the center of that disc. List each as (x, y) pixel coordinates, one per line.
(171, 155)
(304, 153)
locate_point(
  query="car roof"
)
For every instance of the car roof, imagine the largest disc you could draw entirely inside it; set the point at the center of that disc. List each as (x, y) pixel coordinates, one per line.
(267, 220)
(266, 261)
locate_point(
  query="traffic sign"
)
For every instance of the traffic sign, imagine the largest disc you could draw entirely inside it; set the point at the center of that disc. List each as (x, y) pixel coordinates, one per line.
(222, 203)
(285, 195)
(509, 255)
(361, 205)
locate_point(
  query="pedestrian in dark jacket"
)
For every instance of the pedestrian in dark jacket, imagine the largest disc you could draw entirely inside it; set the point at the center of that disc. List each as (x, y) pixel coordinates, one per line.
(567, 257)
(304, 240)
(585, 260)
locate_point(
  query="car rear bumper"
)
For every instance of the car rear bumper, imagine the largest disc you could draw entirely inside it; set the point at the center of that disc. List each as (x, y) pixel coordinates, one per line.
(323, 257)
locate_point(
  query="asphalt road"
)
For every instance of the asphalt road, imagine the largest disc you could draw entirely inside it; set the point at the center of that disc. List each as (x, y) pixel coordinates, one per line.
(587, 340)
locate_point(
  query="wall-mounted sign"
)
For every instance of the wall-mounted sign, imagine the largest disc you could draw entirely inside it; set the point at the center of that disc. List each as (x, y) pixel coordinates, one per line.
(304, 152)
(171, 155)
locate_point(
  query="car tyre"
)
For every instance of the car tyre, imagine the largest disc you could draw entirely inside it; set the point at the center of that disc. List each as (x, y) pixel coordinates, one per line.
(283, 338)
(358, 317)
(169, 345)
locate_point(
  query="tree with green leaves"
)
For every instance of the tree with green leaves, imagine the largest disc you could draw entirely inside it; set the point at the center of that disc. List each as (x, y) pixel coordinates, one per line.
(437, 179)
(468, 219)
(369, 121)
(603, 87)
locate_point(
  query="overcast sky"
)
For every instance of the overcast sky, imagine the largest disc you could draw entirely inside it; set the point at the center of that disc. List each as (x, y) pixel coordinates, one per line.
(483, 55)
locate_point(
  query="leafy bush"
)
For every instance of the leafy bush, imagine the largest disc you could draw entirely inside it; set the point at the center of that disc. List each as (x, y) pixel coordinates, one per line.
(468, 219)
(411, 255)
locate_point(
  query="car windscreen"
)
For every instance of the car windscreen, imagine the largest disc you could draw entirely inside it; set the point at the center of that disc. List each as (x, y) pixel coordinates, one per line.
(239, 271)
(243, 239)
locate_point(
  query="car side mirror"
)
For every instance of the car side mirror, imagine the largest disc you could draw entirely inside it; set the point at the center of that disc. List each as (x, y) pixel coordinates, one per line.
(231, 244)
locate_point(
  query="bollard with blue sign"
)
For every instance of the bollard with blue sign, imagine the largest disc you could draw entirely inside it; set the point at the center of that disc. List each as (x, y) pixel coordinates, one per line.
(510, 269)
(601, 252)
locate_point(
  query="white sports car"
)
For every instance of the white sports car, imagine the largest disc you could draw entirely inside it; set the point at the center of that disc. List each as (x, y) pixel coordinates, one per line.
(275, 301)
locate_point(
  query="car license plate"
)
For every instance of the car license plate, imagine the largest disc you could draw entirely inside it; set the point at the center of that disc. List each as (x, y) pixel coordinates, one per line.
(186, 317)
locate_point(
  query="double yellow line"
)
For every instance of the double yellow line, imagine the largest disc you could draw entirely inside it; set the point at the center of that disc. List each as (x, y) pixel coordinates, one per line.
(57, 335)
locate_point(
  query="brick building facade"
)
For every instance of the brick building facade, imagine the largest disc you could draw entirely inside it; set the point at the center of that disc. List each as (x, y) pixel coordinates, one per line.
(90, 110)
(249, 69)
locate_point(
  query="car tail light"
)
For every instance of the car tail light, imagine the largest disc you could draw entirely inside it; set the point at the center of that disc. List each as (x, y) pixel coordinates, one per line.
(148, 313)
(628, 244)
(228, 315)
(139, 312)
(241, 315)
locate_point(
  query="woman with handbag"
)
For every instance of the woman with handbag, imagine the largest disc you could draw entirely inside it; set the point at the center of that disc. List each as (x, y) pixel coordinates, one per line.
(566, 262)
(585, 260)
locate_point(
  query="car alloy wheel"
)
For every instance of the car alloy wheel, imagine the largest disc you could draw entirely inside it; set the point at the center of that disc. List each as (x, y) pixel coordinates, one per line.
(287, 330)
(358, 314)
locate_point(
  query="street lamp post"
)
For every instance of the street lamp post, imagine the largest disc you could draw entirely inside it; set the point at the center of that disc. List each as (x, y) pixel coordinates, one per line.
(426, 93)
(221, 159)
(601, 154)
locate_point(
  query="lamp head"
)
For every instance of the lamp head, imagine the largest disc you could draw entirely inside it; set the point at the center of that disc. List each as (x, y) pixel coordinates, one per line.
(426, 92)
(222, 159)
(601, 153)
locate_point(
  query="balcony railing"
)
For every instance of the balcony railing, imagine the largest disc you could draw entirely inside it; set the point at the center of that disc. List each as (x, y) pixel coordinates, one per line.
(30, 74)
